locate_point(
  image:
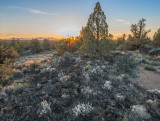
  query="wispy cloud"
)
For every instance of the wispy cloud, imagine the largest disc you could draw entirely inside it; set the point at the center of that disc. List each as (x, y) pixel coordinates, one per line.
(123, 21)
(35, 11)
(119, 20)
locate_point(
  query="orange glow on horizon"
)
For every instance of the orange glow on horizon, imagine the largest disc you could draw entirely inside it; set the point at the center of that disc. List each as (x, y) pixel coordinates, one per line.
(18, 36)
(58, 37)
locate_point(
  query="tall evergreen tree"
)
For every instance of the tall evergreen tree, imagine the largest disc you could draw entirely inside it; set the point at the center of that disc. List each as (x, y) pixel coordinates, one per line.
(97, 23)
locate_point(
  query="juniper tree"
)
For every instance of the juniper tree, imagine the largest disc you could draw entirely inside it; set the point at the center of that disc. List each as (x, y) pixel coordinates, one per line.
(97, 23)
(156, 37)
(138, 30)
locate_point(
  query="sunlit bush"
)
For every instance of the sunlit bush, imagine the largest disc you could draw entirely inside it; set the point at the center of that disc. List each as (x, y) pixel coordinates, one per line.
(5, 69)
(7, 56)
(68, 45)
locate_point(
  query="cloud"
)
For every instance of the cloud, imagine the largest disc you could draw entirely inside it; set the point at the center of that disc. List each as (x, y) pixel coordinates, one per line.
(119, 20)
(35, 11)
(123, 21)
(41, 12)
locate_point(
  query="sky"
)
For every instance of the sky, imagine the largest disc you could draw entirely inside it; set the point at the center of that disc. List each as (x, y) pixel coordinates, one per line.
(64, 18)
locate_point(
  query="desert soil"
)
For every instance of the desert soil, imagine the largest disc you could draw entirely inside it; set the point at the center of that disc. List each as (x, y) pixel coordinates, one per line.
(147, 79)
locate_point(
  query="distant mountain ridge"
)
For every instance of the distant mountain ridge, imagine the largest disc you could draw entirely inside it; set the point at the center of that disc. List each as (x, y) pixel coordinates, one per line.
(26, 39)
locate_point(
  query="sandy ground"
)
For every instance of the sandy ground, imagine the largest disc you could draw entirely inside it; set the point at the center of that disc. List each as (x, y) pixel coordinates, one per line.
(148, 79)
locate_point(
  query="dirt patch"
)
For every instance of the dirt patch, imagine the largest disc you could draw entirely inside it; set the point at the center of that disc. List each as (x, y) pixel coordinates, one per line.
(148, 79)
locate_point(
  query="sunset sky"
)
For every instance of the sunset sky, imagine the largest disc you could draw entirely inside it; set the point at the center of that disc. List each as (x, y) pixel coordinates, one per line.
(63, 18)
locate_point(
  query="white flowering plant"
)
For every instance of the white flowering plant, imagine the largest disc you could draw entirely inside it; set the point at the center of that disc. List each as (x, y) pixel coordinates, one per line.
(82, 109)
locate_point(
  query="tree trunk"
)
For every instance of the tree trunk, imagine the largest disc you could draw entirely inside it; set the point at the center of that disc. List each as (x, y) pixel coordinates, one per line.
(97, 24)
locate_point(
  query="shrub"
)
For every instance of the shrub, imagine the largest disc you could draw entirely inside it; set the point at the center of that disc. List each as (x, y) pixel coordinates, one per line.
(68, 45)
(156, 37)
(7, 52)
(90, 47)
(34, 66)
(150, 68)
(35, 46)
(96, 50)
(5, 70)
(66, 60)
(155, 52)
(126, 63)
(82, 109)
(120, 41)
(105, 46)
(122, 47)
(141, 111)
(47, 44)
(153, 63)
(19, 46)
(7, 56)
(135, 43)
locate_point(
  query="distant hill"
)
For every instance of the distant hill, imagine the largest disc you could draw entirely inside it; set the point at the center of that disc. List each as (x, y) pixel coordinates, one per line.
(26, 39)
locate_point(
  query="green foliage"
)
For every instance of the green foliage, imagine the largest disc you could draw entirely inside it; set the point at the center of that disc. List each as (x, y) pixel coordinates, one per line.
(121, 40)
(62, 47)
(86, 34)
(96, 29)
(156, 37)
(122, 47)
(135, 43)
(47, 44)
(7, 56)
(139, 38)
(90, 47)
(155, 52)
(150, 67)
(7, 53)
(153, 63)
(97, 23)
(105, 46)
(35, 46)
(68, 45)
(110, 36)
(138, 30)
(126, 63)
(5, 69)
(19, 46)
(95, 50)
